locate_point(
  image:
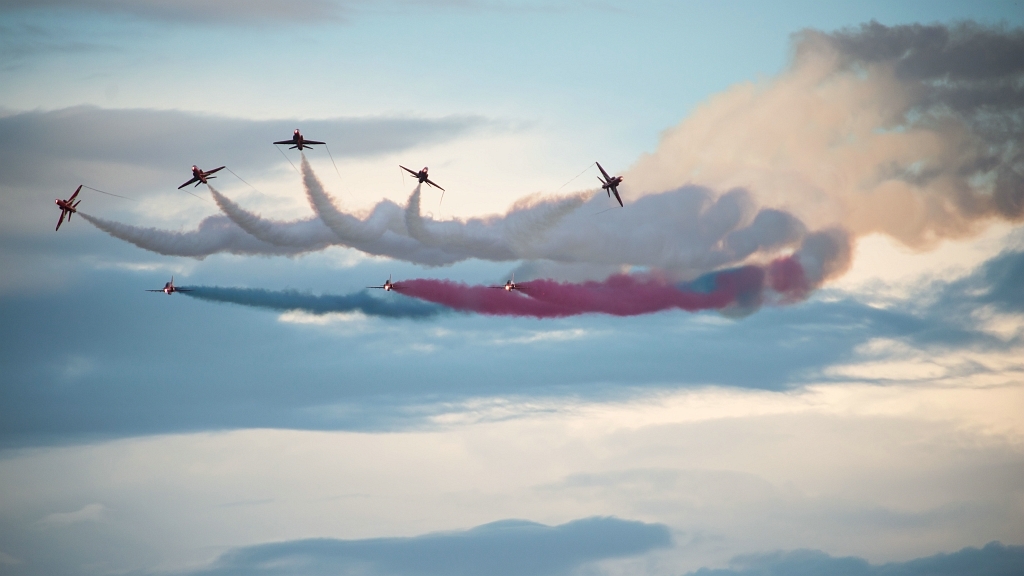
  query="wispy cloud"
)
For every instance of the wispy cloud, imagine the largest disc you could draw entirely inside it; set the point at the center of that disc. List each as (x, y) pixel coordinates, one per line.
(88, 513)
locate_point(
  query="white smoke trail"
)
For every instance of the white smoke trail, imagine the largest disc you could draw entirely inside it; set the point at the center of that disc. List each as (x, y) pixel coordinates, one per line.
(309, 234)
(214, 234)
(383, 233)
(687, 231)
(506, 237)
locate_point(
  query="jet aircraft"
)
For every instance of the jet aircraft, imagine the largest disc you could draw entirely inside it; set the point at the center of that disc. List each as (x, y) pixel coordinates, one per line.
(387, 286)
(68, 207)
(510, 285)
(421, 176)
(200, 176)
(299, 141)
(170, 288)
(610, 184)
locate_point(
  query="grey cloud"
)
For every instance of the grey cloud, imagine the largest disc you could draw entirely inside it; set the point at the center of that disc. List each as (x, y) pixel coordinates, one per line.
(110, 142)
(505, 548)
(995, 559)
(966, 72)
(964, 51)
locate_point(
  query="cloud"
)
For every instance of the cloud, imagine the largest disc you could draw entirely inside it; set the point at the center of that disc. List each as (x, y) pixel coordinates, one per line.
(909, 130)
(123, 332)
(504, 548)
(995, 559)
(88, 513)
(101, 143)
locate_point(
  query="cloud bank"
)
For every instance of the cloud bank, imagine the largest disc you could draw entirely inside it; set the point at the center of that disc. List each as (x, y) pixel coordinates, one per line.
(994, 559)
(504, 548)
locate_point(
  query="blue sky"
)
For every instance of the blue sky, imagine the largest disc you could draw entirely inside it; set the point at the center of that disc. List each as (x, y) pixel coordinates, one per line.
(872, 428)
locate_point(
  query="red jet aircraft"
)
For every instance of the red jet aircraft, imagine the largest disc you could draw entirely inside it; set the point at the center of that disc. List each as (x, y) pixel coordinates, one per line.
(200, 176)
(170, 288)
(421, 176)
(299, 141)
(387, 287)
(610, 184)
(68, 207)
(510, 285)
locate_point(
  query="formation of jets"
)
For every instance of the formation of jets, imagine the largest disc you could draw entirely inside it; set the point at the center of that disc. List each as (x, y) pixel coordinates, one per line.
(170, 288)
(299, 142)
(68, 207)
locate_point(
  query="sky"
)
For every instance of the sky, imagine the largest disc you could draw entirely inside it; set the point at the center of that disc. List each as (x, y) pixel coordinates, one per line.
(796, 349)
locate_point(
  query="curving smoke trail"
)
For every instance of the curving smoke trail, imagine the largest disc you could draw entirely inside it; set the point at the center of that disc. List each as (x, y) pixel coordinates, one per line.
(309, 234)
(383, 233)
(214, 234)
(348, 228)
(285, 300)
(500, 238)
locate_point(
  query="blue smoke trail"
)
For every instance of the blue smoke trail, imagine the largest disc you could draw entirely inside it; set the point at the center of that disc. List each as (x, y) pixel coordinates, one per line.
(391, 306)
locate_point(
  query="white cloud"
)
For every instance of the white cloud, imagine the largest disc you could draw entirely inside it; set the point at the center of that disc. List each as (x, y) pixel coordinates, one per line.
(881, 472)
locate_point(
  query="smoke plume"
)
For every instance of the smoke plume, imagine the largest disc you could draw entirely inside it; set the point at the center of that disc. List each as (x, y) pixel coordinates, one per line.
(390, 306)
(214, 234)
(912, 131)
(309, 234)
(382, 233)
(740, 290)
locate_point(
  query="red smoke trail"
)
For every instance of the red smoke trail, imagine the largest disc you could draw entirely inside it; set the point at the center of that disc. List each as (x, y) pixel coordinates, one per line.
(619, 295)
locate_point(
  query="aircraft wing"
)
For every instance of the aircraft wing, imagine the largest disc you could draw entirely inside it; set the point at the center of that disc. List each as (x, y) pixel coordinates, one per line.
(79, 189)
(615, 191)
(285, 142)
(409, 171)
(191, 180)
(161, 290)
(61, 221)
(304, 141)
(434, 185)
(208, 172)
(606, 176)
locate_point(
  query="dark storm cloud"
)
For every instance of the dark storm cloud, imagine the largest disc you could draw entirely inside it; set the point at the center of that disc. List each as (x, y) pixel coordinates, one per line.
(994, 559)
(32, 143)
(505, 548)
